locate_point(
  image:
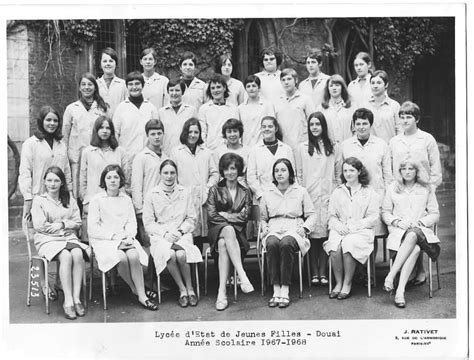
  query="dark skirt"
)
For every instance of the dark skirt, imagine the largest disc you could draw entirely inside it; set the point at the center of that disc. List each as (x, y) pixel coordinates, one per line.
(69, 247)
(215, 231)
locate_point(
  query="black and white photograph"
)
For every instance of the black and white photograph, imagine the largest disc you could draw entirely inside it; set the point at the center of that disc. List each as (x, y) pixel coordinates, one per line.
(234, 180)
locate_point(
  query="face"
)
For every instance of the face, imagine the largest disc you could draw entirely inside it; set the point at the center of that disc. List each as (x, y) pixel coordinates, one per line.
(187, 68)
(86, 88)
(104, 131)
(377, 85)
(148, 62)
(268, 130)
(232, 136)
(231, 173)
(168, 175)
(312, 66)
(270, 63)
(282, 175)
(108, 64)
(155, 137)
(252, 89)
(135, 88)
(408, 122)
(217, 91)
(112, 181)
(361, 67)
(362, 128)
(350, 173)
(315, 127)
(226, 68)
(176, 95)
(50, 123)
(335, 89)
(193, 135)
(288, 82)
(52, 182)
(408, 172)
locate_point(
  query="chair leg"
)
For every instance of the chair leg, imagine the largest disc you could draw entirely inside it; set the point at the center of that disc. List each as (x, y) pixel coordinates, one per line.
(235, 285)
(84, 287)
(437, 274)
(300, 272)
(104, 291)
(205, 272)
(369, 288)
(196, 271)
(373, 271)
(158, 287)
(46, 284)
(384, 249)
(308, 270)
(330, 275)
(91, 275)
(430, 275)
(262, 274)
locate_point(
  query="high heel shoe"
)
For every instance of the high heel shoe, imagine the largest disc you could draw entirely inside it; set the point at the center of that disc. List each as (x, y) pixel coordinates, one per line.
(400, 301)
(388, 285)
(246, 287)
(69, 312)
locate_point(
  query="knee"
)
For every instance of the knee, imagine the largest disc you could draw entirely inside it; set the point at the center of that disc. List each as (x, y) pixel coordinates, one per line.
(272, 242)
(65, 257)
(221, 247)
(411, 237)
(228, 232)
(122, 256)
(172, 256)
(181, 256)
(416, 250)
(77, 257)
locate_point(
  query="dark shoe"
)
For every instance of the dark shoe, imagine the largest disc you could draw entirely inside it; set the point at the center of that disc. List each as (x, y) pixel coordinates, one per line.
(284, 302)
(273, 302)
(79, 308)
(334, 294)
(343, 296)
(151, 294)
(149, 305)
(69, 312)
(183, 301)
(193, 300)
(400, 301)
(417, 282)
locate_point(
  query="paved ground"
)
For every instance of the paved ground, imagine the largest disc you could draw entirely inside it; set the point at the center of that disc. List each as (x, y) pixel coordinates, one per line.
(314, 305)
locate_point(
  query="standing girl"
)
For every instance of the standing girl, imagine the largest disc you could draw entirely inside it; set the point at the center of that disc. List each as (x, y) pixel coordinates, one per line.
(236, 88)
(359, 89)
(154, 89)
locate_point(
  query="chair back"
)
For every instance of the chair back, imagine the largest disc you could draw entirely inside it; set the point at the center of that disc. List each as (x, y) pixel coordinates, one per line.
(254, 213)
(29, 231)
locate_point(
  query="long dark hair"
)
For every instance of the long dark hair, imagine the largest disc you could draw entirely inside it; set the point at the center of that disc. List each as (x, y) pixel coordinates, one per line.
(364, 178)
(64, 196)
(288, 165)
(338, 79)
(183, 138)
(40, 132)
(101, 104)
(95, 141)
(313, 142)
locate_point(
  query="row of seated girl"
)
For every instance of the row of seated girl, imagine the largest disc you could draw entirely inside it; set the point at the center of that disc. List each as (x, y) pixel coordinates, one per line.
(288, 217)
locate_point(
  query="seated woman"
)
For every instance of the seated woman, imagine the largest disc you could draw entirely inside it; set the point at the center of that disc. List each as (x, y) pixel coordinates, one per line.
(56, 220)
(169, 219)
(228, 208)
(409, 209)
(353, 212)
(283, 208)
(112, 227)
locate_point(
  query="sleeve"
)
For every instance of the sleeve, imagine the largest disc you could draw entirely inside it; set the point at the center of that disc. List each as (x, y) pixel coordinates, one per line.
(117, 120)
(25, 178)
(67, 125)
(202, 121)
(252, 177)
(435, 162)
(269, 109)
(213, 172)
(337, 165)
(387, 207)
(189, 223)
(398, 124)
(372, 212)
(386, 166)
(39, 215)
(309, 108)
(127, 169)
(154, 111)
(137, 183)
(243, 215)
(95, 226)
(333, 213)
(299, 164)
(432, 210)
(241, 95)
(83, 175)
(124, 93)
(131, 222)
(149, 219)
(74, 222)
(166, 97)
(308, 211)
(291, 157)
(264, 215)
(67, 174)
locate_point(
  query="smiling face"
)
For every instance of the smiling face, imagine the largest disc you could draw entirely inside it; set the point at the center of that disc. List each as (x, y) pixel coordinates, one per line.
(155, 137)
(86, 88)
(312, 66)
(377, 85)
(193, 135)
(252, 90)
(281, 173)
(289, 83)
(269, 63)
(408, 172)
(135, 88)
(362, 128)
(50, 123)
(409, 123)
(351, 174)
(148, 62)
(361, 67)
(217, 91)
(112, 181)
(226, 68)
(52, 183)
(268, 130)
(168, 175)
(315, 127)
(176, 95)
(232, 136)
(108, 65)
(104, 131)
(187, 68)
(335, 89)
(231, 173)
